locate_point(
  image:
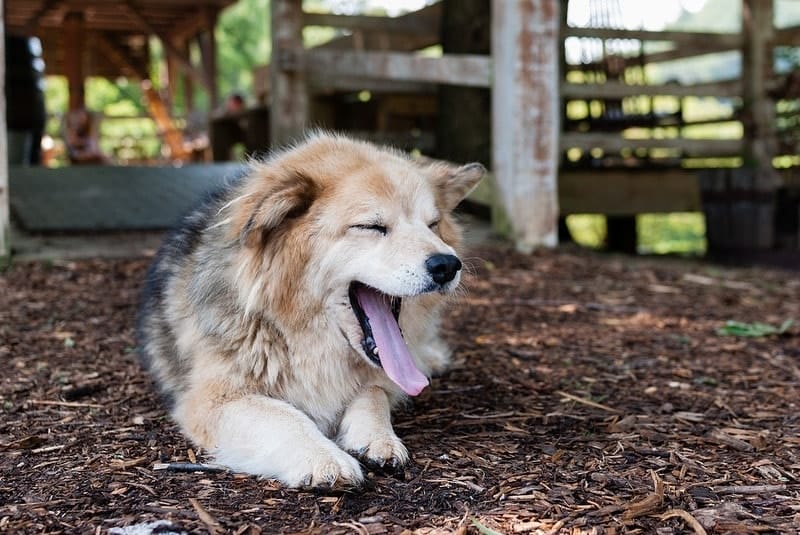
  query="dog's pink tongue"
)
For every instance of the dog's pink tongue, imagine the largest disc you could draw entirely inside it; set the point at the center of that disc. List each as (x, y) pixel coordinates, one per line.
(392, 349)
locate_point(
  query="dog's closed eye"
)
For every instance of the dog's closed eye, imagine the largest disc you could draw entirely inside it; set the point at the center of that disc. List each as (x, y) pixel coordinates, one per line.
(372, 227)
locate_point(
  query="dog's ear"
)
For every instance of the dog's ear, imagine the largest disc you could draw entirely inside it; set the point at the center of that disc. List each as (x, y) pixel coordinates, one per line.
(455, 183)
(285, 199)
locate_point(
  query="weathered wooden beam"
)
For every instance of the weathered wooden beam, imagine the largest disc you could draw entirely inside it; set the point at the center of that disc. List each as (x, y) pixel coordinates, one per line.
(456, 69)
(409, 25)
(628, 192)
(33, 21)
(73, 57)
(614, 89)
(525, 117)
(618, 191)
(5, 218)
(118, 56)
(133, 12)
(789, 36)
(698, 39)
(611, 142)
(320, 84)
(289, 108)
(428, 17)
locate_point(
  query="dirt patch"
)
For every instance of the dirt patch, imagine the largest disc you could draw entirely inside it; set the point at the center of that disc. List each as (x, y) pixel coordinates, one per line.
(590, 394)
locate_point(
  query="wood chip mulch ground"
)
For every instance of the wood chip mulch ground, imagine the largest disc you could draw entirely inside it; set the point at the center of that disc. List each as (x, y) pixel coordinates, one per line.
(590, 394)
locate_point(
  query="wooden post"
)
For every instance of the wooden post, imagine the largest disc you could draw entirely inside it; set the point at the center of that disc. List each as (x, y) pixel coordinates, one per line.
(464, 125)
(74, 34)
(289, 100)
(525, 117)
(5, 223)
(208, 52)
(188, 83)
(758, 115)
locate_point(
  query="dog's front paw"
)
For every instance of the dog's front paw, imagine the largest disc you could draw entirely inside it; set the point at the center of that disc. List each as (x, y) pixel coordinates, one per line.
(332, 468)
(385, 452)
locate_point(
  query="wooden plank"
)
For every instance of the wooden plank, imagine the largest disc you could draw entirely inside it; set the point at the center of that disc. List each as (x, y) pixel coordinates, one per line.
(289, 102)
(5, 219)
(628, 192)
(429, 16)
(525, 117)
(32, 23)
(690, 147)
(457, 69)
(614, 89)
(789, 36)
(321, 84)
(409, 25)
(126, 65)
(617, 191)
(698, 39)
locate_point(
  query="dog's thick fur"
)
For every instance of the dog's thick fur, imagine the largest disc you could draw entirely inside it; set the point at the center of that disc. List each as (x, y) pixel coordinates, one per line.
(247, 321)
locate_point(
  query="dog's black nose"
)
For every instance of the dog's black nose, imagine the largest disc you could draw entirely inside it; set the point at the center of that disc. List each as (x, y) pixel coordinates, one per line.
(442, 267)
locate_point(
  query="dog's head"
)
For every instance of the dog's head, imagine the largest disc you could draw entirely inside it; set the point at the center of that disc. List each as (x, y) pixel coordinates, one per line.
(346, 232)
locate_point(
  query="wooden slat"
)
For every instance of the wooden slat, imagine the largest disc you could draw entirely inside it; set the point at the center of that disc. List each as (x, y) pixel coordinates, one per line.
(628, 192)
(429, 16)
(614, 89)
(403, 25)
(699, 39)
(690, 147)
(617, 191)
(461, 69)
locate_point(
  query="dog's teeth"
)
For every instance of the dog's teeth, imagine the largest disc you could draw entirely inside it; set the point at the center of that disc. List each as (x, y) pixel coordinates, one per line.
(375, 351)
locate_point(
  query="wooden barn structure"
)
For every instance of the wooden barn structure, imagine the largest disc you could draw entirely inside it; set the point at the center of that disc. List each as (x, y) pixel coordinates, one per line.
(615, 159)
(516, 86)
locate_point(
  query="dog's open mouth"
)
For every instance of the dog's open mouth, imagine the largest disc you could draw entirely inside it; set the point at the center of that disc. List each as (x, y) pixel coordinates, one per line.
(377, 314)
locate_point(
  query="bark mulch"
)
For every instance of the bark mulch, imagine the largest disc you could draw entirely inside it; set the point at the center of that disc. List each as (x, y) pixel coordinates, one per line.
(589, 394)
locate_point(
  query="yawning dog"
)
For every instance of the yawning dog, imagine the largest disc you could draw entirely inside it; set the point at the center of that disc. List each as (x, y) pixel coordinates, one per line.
(285, 317)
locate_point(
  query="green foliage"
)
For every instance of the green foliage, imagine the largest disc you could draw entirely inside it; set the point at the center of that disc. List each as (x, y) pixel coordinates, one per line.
(484, 530)
(753, 330)
(676, 233)
(682, 233)
(243, 42)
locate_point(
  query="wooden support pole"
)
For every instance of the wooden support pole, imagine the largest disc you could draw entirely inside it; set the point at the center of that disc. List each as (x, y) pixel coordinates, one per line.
(5, 220)
(758, 110)
(188, 83)
(74, 40)
(525, 117)
(289, 102)
(208, 52)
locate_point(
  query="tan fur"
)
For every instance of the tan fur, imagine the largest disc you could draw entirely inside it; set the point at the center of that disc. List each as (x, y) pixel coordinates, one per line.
(246, 323)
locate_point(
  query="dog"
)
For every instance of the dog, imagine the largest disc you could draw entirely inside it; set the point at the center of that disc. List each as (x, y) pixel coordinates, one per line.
(285, 317)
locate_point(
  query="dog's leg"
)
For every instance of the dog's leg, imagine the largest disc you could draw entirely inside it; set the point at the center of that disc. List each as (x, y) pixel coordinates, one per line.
(366, 429)
(270, 438)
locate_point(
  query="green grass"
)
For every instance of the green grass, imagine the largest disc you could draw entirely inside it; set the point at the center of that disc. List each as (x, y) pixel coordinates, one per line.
(676, 233)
